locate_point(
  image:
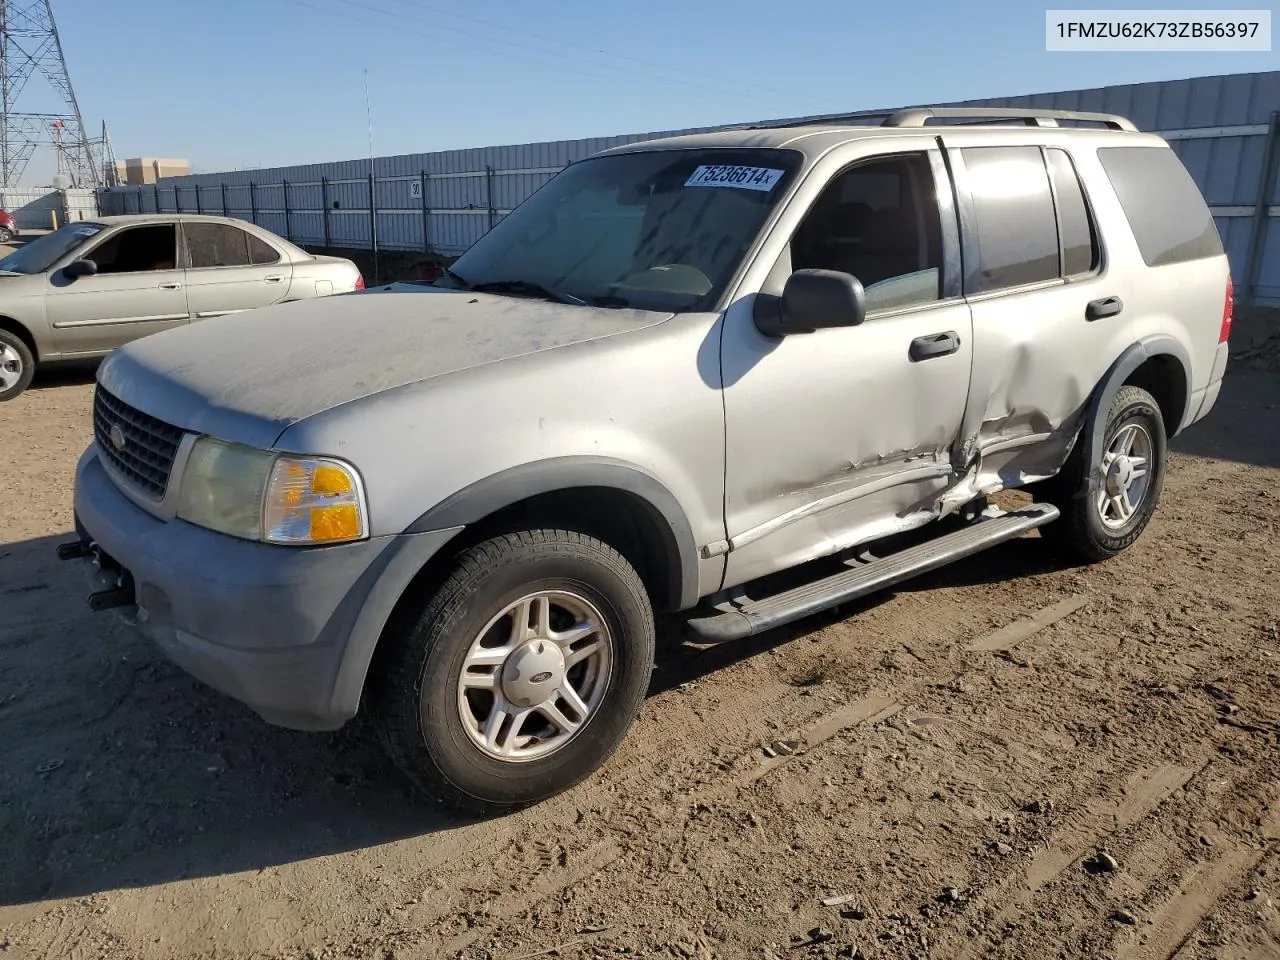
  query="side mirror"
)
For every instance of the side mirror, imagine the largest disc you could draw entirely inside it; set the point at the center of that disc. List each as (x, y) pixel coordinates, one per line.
(79, 268)
(812, 300)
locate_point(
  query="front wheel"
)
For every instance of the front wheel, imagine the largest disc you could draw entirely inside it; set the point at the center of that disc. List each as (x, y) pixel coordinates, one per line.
(17, 365)
(521, 675)
(1106, 505)
(5, 234)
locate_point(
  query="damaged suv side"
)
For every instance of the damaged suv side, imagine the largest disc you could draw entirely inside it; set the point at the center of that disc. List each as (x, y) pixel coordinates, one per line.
(679, 368)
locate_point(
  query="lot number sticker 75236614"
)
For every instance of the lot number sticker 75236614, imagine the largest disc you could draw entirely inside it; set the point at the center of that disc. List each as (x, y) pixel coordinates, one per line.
(724, 175)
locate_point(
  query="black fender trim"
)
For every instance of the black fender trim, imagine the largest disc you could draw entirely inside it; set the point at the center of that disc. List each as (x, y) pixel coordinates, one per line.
(485, 497)
(1134, 357)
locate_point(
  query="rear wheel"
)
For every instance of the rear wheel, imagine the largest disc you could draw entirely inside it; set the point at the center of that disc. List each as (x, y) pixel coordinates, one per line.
(521, 675)
(5, 234)
(17, 365)
(1106, 505)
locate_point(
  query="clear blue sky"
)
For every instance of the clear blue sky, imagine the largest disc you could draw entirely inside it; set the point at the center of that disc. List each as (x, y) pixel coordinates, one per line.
(244, 83)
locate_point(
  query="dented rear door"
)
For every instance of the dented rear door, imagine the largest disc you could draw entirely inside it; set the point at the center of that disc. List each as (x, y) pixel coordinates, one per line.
(1048, 315)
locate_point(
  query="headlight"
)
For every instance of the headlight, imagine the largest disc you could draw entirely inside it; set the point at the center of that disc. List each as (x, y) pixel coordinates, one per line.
(278, 498)
(312, 500)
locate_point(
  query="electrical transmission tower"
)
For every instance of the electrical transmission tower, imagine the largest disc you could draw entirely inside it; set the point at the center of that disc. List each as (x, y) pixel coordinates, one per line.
(29, 47)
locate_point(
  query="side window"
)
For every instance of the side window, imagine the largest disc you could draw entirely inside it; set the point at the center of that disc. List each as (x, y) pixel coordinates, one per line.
(216, 245)
(261, 252)
(1017, 232)
(1079, 237)
(138, 249)
(879, 222)
(1163, 205)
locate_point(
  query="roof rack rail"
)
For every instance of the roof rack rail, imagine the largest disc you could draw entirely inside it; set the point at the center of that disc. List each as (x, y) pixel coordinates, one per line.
(919, 116)
(819, 120)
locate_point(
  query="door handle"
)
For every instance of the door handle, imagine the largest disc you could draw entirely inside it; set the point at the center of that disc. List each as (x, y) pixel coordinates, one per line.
(171, 286)
(273, 278)
(934, 345)
(1106, 307)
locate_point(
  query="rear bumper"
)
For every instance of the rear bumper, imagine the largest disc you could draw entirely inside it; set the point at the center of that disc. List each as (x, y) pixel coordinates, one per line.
(287, 631)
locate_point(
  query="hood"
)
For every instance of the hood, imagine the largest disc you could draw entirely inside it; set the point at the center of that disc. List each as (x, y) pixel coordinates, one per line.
(248, 376)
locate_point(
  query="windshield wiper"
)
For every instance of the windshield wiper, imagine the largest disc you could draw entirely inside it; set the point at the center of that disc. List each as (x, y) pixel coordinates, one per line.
(526, 286)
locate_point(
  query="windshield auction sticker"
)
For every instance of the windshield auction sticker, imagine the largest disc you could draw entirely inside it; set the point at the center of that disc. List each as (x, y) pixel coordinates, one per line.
(744, 178)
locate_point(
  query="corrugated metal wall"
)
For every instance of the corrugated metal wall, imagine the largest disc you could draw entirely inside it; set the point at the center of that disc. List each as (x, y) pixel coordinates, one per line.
(445, 201)
(31, 206)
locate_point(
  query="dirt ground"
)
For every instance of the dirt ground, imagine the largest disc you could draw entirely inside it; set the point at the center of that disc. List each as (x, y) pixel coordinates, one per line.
(955, 757)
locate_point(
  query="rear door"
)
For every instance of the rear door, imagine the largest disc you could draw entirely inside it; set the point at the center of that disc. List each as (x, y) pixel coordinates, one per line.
(1048, 314)
(230, 270)
(138, 290)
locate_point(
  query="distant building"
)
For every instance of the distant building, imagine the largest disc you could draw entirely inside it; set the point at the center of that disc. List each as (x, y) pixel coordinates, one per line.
(142, 170)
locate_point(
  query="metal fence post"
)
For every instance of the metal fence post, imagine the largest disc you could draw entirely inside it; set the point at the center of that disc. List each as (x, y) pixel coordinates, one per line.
(373, 228)
(426, 214)
(177, 200)
(222, 191)
(1261, 222)
(199, 205)
(324, 209)
(253, 202)
(284, 192)
(156, 188)
(488, 193)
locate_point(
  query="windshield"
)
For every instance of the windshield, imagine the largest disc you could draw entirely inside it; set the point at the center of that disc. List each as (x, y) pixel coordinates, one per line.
(39, 255)
(660, 230)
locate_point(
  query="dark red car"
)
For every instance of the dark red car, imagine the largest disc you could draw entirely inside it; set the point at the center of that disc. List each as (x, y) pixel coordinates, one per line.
(8, 226)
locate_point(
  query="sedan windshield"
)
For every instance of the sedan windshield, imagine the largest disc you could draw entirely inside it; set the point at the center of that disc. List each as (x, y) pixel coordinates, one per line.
(656, 230)
(39, 255)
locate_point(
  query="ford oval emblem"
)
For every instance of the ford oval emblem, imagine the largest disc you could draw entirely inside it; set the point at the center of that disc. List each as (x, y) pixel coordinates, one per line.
(117, 436)
(542, 677)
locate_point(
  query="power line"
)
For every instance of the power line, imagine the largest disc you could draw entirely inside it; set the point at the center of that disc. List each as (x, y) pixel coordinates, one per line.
(417, 4)
(559, 64)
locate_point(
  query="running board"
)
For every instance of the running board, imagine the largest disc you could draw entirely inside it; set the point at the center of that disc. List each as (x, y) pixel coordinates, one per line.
(745, 617)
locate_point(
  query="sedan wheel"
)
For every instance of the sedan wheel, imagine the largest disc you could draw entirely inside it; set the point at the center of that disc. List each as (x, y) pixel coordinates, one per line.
(17, 366)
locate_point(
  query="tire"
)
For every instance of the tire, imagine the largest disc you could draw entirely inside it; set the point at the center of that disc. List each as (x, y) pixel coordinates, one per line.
(416, 695)
(1082, 531)
(5, 234)
(17, 365)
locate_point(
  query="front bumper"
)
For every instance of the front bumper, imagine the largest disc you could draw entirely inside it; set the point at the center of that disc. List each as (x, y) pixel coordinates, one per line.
(288, 631)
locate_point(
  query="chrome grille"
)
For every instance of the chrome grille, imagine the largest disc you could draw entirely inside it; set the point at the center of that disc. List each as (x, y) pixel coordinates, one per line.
(146, 456)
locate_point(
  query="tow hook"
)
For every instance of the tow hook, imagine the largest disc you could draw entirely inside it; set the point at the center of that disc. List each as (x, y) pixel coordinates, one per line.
(76, 550)
(121, 596)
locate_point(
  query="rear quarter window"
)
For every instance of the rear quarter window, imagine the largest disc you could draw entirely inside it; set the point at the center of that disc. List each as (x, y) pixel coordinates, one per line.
(1168, 216)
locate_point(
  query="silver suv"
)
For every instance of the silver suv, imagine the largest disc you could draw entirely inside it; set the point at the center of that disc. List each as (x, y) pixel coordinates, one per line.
(680, 367)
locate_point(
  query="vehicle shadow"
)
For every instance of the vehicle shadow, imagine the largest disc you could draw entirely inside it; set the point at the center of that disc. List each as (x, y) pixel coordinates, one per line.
(1244, 425)
(122, 771)
(67, 374)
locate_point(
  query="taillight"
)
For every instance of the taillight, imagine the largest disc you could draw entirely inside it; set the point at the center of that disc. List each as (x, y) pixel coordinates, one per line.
(359, 281)
(1227, 310)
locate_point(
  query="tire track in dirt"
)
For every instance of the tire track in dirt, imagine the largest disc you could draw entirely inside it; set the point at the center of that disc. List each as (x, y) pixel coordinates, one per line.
(1199, 889)
(1080, 832)
(750, 767)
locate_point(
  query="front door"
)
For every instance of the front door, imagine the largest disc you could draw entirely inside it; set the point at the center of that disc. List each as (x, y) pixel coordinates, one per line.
(230, 270)
(139, 289)
(845, 434)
